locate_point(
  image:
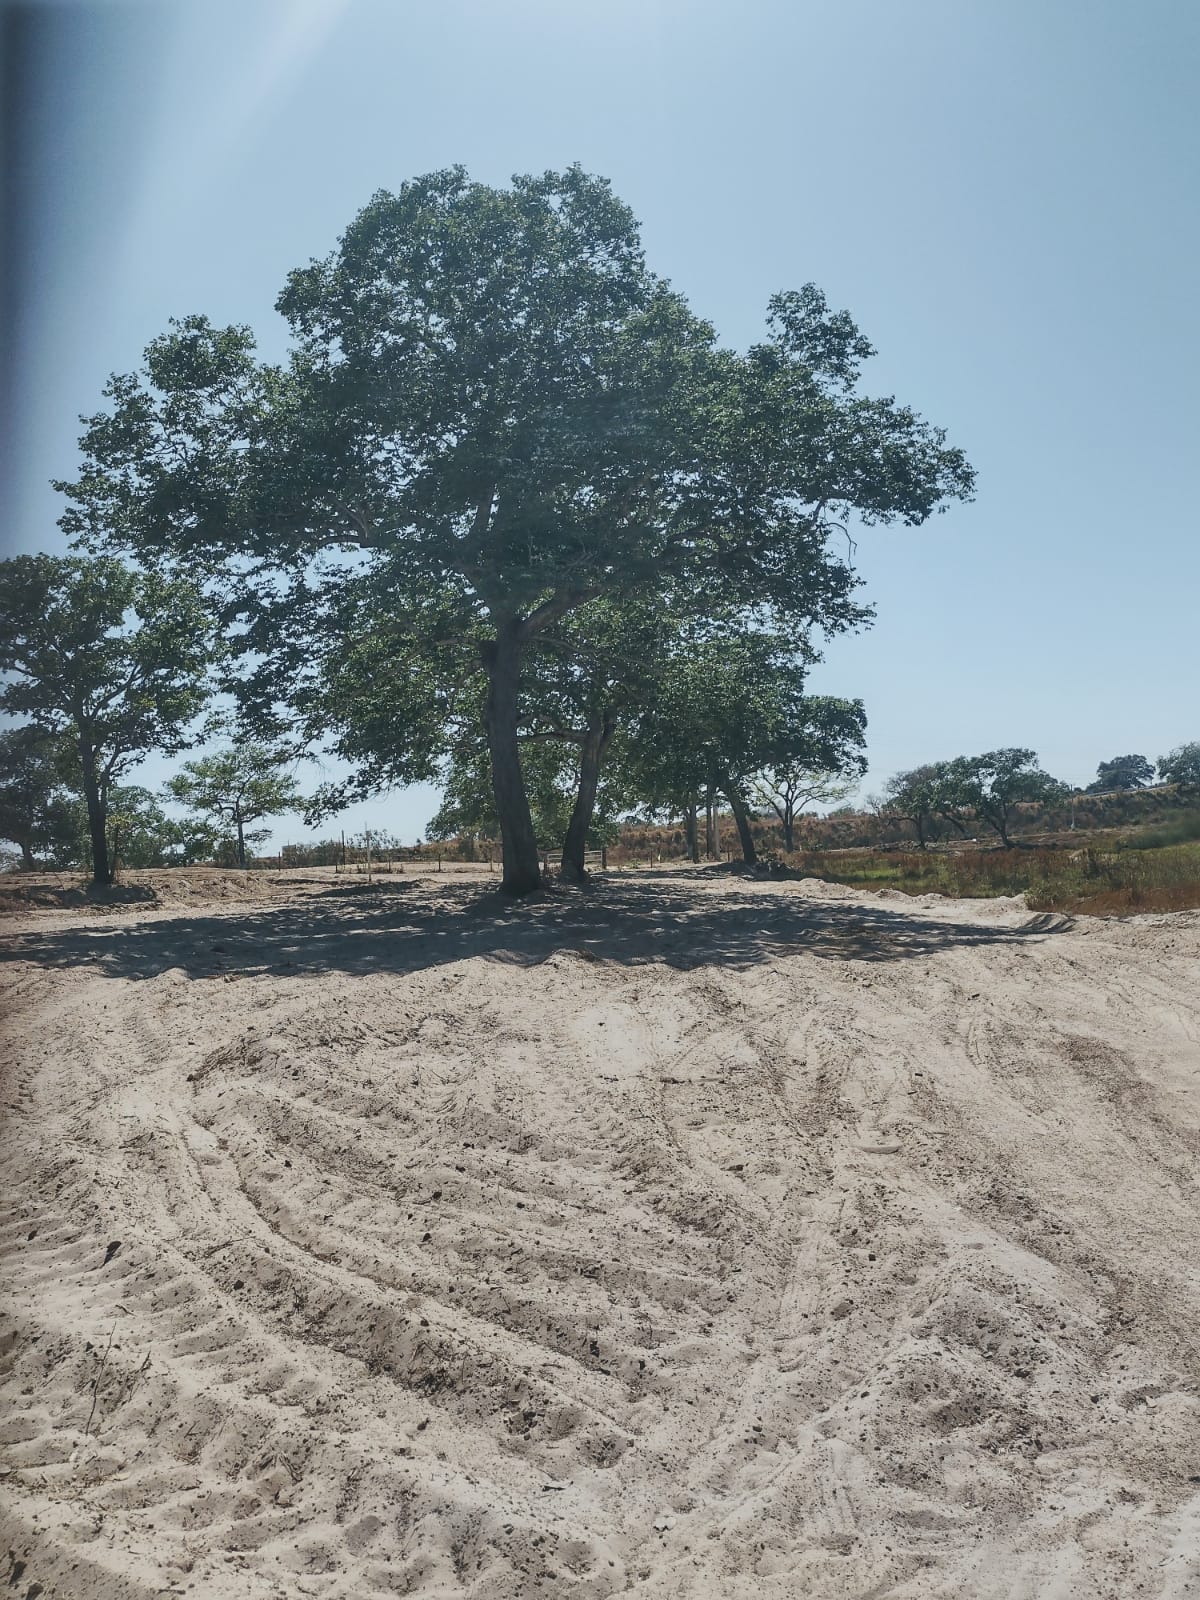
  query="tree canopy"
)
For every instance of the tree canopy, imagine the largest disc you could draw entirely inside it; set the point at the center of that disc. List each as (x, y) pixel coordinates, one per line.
(1181, 765)
(1122, 772)
(115, 659)
(236, 787)
(38, 811)
(494, 414)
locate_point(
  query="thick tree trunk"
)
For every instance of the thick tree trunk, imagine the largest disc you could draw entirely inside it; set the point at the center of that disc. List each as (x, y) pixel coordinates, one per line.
(241, 841)
(789, 832)
(691, 829)
(28, 864)
(738, 806)
(97, 818)
(591, 754)
(711, 840)
(522, 866)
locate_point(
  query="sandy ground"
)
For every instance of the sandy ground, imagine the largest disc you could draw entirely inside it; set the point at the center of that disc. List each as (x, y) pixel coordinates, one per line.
(687, 1237)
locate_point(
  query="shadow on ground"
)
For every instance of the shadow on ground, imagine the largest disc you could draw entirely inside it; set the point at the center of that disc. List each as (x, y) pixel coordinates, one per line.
(397, 927)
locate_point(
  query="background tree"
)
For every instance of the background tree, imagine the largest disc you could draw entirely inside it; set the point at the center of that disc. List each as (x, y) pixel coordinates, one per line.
(922, 796)
(1181, 765)
(1122, 772)
(991, 785)
(237, 787)
(38, 811)
(118, 660)
(494, 401)
(141, 834)
(818, 760)
(727, 706)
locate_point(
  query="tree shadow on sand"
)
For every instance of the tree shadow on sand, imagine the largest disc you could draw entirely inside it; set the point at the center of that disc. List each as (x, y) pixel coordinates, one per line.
(399, 927)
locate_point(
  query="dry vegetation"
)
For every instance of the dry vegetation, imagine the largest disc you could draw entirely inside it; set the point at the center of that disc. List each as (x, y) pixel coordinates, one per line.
(1097, 881)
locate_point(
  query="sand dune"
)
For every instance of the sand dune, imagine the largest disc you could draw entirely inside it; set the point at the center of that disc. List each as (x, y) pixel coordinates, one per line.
(688, 1237)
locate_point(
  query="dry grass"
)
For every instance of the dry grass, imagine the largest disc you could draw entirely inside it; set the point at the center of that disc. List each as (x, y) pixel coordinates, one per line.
(1108, 883)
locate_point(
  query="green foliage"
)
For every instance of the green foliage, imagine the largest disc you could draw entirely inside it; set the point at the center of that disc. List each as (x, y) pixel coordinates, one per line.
(141, 834)
(728, 706)
(1180, 830)
(816, 759)
(38, 811)
(111, 656)
(1181, 765)
(116, 660)
(504, 415)
(1122, 772)
(236, 787)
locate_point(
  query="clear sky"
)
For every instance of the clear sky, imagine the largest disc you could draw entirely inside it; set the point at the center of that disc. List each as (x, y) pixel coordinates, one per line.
(1003, 194)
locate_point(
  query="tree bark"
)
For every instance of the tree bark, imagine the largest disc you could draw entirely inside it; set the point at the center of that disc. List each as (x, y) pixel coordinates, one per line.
(789, 831)
(738, 806)
(522, 866)
(97, 812)
(691, 830)
(710, 827)
(595, 742)
(241, 840)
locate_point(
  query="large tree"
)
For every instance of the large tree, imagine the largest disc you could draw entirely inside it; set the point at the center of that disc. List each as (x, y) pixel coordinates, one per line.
(115, 660)
(236, 787)
(492, 400)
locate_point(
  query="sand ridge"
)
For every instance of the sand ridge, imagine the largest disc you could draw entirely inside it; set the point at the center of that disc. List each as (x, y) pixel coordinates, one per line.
(690, 1236)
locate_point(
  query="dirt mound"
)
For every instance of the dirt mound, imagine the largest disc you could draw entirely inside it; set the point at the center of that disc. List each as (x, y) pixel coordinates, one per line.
(692, 1237)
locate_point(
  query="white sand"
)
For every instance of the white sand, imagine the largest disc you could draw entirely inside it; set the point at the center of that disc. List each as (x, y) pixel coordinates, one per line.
(691, 1237)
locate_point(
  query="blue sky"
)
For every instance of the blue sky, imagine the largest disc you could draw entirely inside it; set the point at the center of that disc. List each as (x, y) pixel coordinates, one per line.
(1003, 195)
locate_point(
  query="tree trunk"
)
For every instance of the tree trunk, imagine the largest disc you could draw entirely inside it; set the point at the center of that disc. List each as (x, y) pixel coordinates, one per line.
(595, 743)
(522, 866)
(691, 828)
(740, 816)
(97, 817)
(789, 830)
(28, 864)
(241, 840)
(710, 827)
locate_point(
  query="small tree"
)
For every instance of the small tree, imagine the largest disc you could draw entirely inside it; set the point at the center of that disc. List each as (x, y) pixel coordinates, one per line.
(1182, 765)
(117, 660)
(1122, 772)
(38, 813)
(923, 796)
(237, 787)
(816, 760)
